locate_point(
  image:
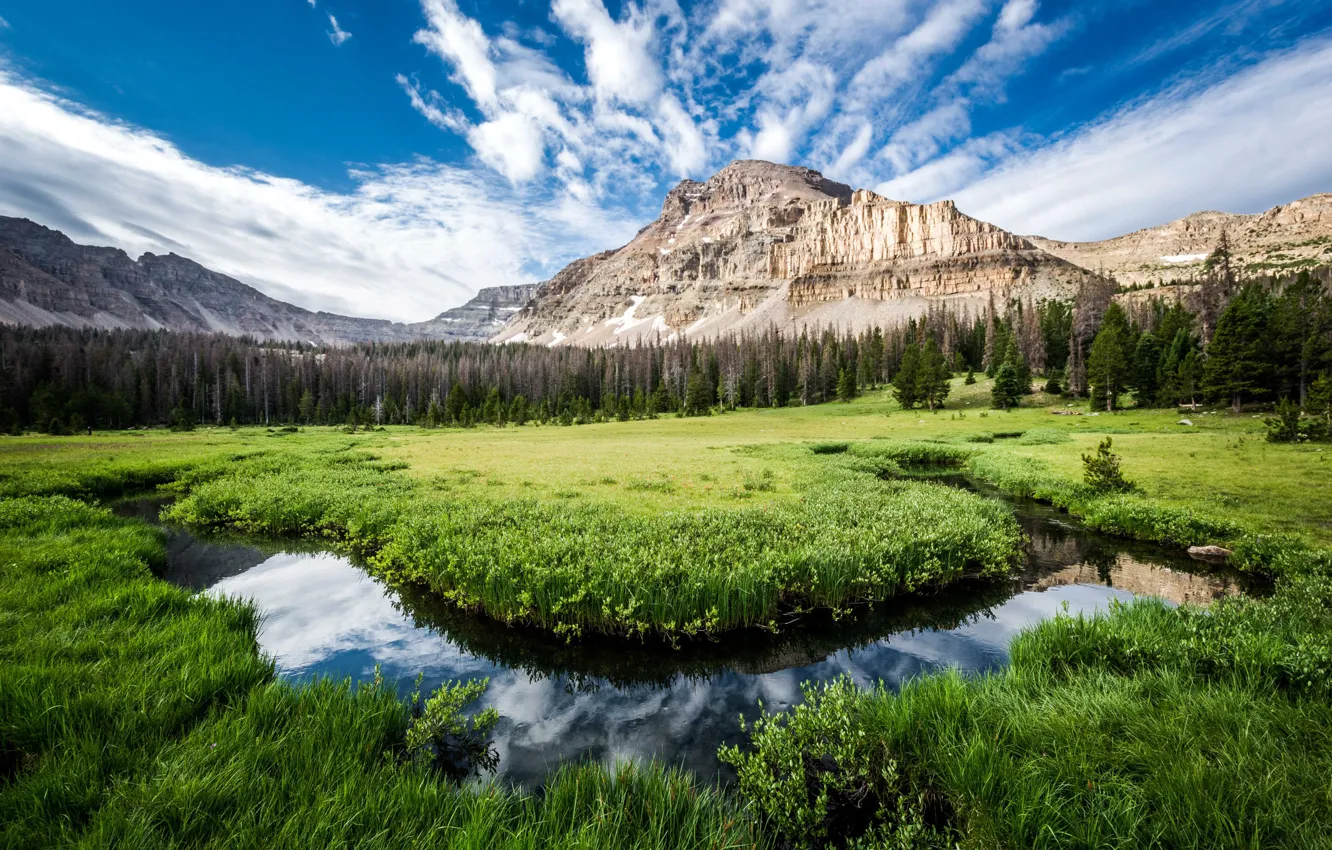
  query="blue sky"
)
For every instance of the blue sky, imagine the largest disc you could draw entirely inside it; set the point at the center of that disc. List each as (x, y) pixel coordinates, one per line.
(388, 158)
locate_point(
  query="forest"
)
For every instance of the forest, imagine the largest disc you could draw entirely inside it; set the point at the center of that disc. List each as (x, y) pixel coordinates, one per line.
(1223, 340)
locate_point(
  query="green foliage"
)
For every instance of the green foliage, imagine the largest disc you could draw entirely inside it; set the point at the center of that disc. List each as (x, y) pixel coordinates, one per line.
(816, 781)
(846, 385)
(1109, 367)
(907, 381)
(441, 736)
(576, 567)
(1101, 470)
(1284, 427)
(933, 377)
(1239, 357)
(1007, 389)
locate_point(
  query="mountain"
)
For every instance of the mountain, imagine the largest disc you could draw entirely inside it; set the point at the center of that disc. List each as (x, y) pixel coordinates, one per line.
(760, 244)
(1285, 238)
(46, 279)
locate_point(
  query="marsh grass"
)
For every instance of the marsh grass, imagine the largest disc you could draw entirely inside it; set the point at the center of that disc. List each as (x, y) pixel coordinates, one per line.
(587, 565)
(133, 714)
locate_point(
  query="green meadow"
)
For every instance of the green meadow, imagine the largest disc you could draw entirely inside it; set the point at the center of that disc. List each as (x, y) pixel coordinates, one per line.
(135, 714)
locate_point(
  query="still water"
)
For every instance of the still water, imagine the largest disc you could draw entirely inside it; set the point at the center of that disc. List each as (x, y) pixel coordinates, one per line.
(324, 616)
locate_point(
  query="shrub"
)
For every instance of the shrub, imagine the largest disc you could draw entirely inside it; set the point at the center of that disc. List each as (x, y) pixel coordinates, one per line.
(455, 745)
(1285, 426)
(1101, 470)
(817, 780)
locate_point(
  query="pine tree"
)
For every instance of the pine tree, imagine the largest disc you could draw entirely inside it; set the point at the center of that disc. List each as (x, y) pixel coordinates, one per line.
(907, 379)
(1007, 388)
(1144, 378)
(307, 407)
(1301, 333)
(1239, 355)
(846, 385)
(933, 377)
(1110, 360)
(697, 397)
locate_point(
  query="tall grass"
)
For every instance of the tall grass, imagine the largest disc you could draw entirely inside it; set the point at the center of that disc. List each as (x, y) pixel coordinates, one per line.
(103, 664)
(133, 714)
(577, 567)
(1143, 727)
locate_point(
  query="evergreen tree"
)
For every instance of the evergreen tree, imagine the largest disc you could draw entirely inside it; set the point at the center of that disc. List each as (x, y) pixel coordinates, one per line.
(1007, 389)
(907, 379)
(1181, 370)
(1239, 356)
(1110, 361)
(698, 399)
(933, 377)
(307, 407)
(846, 385)
(1144, 378)
(1301, 334)
(456, 403)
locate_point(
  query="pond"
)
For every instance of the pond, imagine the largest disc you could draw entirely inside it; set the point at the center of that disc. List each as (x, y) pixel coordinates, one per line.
(606, 701)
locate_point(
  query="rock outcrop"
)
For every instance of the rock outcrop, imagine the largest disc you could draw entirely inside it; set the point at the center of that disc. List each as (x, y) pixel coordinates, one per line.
(761, 244)
(46, 279)
(1286, 238)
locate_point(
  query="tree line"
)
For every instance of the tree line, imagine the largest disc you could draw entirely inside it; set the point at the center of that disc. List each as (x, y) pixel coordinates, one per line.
(1229, 341)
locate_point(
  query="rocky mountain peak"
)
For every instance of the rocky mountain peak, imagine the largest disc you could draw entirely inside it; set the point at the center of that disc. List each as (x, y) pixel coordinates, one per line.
(760, 243)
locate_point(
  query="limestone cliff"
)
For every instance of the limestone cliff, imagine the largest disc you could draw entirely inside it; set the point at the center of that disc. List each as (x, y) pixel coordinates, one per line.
(1283, 239)
(762, 244)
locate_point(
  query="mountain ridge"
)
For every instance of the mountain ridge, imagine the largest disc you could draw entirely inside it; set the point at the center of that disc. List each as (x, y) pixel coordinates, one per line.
(765, 244)
(48, 279)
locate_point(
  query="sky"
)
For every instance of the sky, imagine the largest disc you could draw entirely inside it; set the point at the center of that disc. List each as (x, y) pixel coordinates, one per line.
(387, 158)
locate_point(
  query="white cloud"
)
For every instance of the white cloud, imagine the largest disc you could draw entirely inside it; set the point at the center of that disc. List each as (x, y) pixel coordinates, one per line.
(1249, 142)
(618, 55)
(459, 41)
(4, 25)
(408, 241)
(923, 138)
(511, 144)
(337, 35)
(684, 142)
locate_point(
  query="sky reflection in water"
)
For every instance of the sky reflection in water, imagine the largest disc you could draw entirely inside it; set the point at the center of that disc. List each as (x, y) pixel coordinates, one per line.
(325, 616)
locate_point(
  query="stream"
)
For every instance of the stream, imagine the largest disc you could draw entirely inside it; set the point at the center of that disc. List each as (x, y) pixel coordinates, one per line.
(606, 701)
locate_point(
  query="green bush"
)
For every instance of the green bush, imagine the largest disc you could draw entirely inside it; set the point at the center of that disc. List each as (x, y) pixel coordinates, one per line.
(1101, 470)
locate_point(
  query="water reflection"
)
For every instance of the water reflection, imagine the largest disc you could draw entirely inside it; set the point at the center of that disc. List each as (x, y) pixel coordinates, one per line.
(606, 701)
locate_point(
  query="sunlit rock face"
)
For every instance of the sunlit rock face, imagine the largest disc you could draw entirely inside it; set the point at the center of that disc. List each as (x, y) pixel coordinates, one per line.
(761, 244)
(1283, 239)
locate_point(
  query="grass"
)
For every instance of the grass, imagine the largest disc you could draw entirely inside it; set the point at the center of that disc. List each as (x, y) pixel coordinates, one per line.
(132, 714)
(592, 565)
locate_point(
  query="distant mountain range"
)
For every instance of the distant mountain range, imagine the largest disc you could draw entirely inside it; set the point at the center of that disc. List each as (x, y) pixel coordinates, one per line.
(756, 245)
(46, 279)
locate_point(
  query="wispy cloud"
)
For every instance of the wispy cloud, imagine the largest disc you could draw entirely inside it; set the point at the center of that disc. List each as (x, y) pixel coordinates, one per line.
(4, 25)
(337, 35)
(1246, 143)
(410, 240)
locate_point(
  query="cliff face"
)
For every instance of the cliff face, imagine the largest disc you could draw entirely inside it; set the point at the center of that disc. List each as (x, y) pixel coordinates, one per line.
(46, 279)
(1285, 238)
(762, 244)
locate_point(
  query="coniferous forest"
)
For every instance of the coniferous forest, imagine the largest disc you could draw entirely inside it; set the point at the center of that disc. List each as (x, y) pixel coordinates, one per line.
(1224, 341)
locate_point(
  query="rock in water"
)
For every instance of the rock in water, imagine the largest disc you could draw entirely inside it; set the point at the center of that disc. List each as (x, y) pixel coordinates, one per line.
(1209, 553)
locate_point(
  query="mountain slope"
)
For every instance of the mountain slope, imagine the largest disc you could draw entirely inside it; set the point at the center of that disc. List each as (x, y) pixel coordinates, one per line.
(761, 244)
(47, 279)
(1289, 237)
